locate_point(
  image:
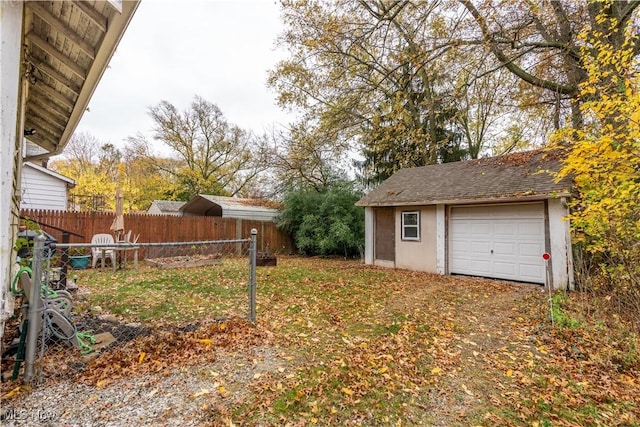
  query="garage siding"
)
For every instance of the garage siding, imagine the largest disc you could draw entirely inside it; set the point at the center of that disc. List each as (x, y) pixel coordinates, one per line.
(418, 255)
(498, 241)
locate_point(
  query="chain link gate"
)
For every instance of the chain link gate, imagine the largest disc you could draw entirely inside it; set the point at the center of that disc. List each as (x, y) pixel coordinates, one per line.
(79, 300)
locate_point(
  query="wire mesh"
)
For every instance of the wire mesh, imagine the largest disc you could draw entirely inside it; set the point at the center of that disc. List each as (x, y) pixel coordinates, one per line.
(96, 299)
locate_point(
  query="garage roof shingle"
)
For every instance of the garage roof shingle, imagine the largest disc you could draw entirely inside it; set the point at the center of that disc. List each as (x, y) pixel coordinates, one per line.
(527, 175)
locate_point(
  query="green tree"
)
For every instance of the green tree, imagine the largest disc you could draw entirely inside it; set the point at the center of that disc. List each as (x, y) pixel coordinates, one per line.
(325, 222)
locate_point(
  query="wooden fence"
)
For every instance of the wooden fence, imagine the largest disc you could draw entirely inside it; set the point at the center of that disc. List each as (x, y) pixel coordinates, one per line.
(160, 228)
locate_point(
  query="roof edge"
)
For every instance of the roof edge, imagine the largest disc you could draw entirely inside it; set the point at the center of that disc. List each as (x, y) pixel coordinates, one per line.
(531, 198)
(70, 181)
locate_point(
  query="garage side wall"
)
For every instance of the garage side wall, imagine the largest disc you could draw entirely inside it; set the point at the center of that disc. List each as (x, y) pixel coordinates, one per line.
(417, 255)
(560, 241)
(368, 235)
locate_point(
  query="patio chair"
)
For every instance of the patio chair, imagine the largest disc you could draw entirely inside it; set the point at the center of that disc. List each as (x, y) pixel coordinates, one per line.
(125, 237)
(96, 252)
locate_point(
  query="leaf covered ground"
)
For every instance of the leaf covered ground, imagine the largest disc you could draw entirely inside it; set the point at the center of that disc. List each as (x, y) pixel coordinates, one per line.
(355, 345)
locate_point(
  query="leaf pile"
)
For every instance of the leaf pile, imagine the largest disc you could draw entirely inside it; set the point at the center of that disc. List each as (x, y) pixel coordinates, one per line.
(169, 348)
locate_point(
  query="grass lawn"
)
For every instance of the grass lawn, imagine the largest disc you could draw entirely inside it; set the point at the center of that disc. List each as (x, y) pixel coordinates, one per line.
(370, 346)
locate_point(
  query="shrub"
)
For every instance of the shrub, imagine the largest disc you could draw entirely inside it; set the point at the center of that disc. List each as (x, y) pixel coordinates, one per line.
(326, 222)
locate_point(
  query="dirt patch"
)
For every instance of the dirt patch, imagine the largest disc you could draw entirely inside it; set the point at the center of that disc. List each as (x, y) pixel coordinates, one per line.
(122, 332)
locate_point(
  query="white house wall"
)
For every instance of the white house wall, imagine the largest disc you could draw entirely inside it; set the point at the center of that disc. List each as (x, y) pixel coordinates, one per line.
(441, 239)
(10, 139)
(560, 242)
(417, 255)
(368, 235)
(42, 191)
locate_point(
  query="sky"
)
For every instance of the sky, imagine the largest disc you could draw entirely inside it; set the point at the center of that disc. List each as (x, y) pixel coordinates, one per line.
(220, 50)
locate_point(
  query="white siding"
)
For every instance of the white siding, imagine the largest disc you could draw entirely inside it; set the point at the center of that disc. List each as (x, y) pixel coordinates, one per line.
(368, 235)
(10, 138)
(560, 240)
(42, 191)
(441, 226)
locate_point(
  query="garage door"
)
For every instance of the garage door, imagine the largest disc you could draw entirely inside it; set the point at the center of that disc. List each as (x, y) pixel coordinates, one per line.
(502, 241)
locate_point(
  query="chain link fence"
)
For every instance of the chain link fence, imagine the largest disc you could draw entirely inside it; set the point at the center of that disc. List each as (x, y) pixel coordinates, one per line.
(79, 301)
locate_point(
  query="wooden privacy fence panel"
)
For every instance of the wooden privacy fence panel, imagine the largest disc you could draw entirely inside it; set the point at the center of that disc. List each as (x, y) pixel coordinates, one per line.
(160, 228)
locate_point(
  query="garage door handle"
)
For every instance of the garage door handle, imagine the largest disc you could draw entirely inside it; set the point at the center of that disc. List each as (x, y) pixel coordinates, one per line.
(491, 251)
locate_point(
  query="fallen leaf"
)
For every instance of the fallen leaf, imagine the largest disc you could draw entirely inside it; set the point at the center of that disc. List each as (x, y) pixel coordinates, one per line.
(203, 392)
(466, 390)
(17, 390)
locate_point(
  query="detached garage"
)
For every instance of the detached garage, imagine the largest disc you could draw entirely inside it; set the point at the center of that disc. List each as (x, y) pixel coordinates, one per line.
(491, 217)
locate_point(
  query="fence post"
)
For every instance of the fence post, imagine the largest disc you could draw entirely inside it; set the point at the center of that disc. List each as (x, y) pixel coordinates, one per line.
(239, 235)
(252, 275)
(35, 308)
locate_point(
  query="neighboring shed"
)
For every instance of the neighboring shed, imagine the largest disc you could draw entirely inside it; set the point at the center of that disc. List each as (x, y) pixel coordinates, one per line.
(166, 207)
(43, 188)
(230, 207)
(492, 217)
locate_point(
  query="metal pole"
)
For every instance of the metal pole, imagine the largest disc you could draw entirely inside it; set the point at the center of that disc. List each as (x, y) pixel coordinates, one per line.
(64, 261)
(35, 309)
(549, 284)
(252, 275)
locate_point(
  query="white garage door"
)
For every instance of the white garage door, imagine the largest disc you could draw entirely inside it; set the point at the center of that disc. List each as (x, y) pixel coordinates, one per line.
(502, 241)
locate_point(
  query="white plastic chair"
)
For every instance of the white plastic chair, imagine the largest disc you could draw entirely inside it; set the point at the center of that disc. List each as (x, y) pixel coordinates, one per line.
(96, 252)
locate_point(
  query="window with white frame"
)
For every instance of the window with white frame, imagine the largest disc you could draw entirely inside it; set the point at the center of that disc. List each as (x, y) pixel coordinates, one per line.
(411, 225)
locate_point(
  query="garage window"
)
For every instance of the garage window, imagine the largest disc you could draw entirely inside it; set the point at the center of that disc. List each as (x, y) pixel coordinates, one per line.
(411, 225)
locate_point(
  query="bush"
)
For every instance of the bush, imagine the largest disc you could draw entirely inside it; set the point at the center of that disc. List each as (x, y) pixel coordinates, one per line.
(326, 222)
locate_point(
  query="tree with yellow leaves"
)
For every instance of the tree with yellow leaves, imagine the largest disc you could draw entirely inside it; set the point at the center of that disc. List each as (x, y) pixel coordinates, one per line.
(603, 157)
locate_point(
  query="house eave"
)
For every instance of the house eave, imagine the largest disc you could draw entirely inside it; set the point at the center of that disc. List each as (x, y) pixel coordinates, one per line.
(60, 81)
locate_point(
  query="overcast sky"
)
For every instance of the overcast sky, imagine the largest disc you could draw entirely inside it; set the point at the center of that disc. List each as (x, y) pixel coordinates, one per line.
(173, 50)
